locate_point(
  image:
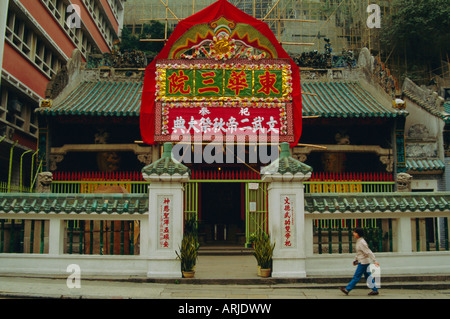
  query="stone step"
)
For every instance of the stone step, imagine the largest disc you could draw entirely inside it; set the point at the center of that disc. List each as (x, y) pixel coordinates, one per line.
(224, 250)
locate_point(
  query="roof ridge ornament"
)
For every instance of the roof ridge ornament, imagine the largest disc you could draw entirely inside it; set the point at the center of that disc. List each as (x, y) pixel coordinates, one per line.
(166, 169)
(286, 168)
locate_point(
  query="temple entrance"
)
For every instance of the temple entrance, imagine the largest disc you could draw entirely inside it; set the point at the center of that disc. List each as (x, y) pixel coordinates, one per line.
(222, 213)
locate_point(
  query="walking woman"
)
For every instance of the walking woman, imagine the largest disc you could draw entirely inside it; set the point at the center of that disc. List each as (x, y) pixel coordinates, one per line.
(363, 257)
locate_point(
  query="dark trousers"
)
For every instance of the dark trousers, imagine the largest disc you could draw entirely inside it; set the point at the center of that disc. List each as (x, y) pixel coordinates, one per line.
(360, 271)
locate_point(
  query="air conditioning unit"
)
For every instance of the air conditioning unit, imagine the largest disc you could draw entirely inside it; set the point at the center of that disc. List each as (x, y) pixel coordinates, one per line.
(9, 133)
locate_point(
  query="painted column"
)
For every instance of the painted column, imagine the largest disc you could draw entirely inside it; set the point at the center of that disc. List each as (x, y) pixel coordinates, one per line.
(165, 214)
(287, 213)
(286, 228)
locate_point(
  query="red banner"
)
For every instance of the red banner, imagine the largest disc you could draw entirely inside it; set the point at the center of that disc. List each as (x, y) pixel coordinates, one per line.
(238, 121)
(221, 33)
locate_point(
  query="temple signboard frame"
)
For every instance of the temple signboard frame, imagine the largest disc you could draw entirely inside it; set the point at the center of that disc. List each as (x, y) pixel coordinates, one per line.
(241, 98)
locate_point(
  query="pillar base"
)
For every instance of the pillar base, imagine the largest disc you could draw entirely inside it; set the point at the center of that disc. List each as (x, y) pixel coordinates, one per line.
(288, 268)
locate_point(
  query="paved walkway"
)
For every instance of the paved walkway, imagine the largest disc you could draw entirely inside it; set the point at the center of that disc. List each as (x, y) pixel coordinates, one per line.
(20, 287)
(217, 277)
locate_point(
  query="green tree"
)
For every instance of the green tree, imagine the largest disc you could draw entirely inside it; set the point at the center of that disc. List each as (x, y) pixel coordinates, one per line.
(151, 30)
(418, 34)
(128, 41)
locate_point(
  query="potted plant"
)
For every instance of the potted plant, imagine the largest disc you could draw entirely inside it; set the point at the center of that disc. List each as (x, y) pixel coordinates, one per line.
(188, 255)
(263, 252)
(189, 248)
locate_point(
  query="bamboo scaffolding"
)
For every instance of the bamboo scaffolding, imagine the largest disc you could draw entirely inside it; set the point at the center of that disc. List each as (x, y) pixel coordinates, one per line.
(296, 43)
(291, 20)
(331, 22)
(167, 8)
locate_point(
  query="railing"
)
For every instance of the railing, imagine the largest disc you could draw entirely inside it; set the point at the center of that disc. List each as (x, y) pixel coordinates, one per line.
(103, 233)
(83, 237)
(103, 237)
(430, 234)
(109, 233)
(132, 182)
(97, 176)
(89, 182)
(141, 187)
(336, 236)
(79, 187)
(23, 236)
(348, 187)
(404, 243)
(5, 188)
(323, 182)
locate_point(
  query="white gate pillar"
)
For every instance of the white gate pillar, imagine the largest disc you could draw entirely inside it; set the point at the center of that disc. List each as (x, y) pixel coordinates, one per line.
(287, 213)
(165, 214)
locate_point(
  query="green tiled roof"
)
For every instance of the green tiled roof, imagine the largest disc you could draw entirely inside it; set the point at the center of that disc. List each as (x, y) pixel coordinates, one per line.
(447, 107)
(74, 203)
(166, 164)
(286, 164)
(377, 202)
(138, 203)
(342, 99)
(430, 108)
(447, 110)
(416, 165)
(121, 98)
(102, 98)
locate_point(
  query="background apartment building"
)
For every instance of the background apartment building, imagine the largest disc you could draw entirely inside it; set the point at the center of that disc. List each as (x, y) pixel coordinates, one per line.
(37, 37)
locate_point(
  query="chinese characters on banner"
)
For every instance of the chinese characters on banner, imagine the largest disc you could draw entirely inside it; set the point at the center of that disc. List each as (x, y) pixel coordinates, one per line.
(238, 98)
(165, 220)
(223, 83)
(287, 220)
(216, 120)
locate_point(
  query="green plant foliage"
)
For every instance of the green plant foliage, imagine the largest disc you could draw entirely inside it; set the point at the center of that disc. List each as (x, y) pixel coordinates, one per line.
(151, 30)
(189, 245)
(263, 250)
(417, 34)
(191, 227)
(253, 237)
(188, 252)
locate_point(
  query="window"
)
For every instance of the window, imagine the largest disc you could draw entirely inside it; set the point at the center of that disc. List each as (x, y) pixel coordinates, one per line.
(21, 36)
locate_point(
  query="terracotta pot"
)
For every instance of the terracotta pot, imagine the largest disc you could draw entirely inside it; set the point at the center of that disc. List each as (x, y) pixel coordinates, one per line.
(188, 274)
(265, 272)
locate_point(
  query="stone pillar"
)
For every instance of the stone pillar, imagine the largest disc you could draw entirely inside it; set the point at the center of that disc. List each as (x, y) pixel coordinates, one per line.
(56, 237)
(287, 213)
(404, 236)
(165, 214)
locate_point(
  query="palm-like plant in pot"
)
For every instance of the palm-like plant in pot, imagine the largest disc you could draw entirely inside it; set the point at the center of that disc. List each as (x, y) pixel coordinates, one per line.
(188, 255)
(263, 252)
(189, 248)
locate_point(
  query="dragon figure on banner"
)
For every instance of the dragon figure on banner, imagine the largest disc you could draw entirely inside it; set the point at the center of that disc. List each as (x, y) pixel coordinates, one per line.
(223, 47)
(221, 72)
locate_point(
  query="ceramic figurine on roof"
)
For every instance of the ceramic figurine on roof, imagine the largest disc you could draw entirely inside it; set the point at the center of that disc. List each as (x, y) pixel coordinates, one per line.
(44, 181)
(404, 182)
